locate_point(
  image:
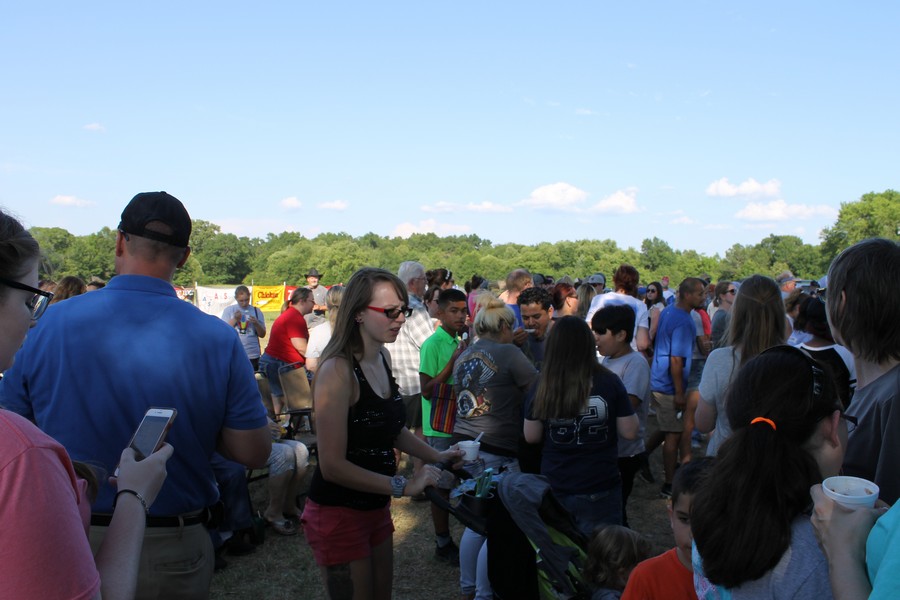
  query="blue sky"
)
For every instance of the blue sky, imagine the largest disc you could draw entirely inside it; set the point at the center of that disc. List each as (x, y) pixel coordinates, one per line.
(702, 123)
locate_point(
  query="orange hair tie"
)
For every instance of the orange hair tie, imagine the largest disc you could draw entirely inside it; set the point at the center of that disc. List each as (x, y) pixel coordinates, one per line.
(770, 422)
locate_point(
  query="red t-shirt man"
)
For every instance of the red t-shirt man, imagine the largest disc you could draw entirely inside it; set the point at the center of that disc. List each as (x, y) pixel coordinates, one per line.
(289, 335)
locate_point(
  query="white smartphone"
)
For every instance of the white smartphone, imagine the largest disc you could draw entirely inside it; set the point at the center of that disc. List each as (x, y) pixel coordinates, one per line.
(151, 433)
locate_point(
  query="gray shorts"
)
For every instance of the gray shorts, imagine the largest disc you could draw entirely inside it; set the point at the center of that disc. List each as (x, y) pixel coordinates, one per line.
(666, 413)
(413, 405)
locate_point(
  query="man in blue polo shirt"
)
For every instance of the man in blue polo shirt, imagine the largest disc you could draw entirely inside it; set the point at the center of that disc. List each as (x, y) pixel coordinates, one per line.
(91, 397)
(670, 368)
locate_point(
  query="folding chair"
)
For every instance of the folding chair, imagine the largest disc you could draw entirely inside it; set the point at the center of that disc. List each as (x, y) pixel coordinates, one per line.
(299, 404)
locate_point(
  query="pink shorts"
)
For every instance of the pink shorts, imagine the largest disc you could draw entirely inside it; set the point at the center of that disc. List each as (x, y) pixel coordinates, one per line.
(339, 535)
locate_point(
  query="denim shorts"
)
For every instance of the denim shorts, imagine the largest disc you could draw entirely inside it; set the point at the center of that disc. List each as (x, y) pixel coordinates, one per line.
(269, 366)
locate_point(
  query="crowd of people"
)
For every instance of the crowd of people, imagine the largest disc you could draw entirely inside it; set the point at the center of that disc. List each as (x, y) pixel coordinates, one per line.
(562, 379)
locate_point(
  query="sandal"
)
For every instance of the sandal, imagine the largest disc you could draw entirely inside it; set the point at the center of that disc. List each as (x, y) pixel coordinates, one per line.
(283, 527)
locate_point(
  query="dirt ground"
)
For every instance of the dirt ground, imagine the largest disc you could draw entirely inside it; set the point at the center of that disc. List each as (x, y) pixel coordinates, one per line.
(283, 567)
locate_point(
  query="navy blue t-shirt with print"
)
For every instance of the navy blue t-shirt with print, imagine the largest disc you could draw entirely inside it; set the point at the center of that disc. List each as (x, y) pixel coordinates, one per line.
(581, 455)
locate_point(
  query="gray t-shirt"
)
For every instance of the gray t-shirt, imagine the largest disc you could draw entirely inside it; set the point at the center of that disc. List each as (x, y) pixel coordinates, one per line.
(801, 574)
(721, 367)
(491, 379)
(248, 334)
(720, 323)
(634, 371)
(873, 450)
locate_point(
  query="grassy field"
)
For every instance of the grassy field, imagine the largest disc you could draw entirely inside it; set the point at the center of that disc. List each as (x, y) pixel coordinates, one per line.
(283, 567)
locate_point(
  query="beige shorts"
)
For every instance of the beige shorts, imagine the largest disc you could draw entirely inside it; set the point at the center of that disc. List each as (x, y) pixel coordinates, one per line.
(666, 413)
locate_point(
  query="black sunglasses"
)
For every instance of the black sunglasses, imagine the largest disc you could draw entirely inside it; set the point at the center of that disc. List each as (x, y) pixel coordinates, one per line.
(38, 303)
(393, 313)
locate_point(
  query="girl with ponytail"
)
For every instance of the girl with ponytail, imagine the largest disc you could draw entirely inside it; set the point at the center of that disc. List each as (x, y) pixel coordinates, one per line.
(750, 517)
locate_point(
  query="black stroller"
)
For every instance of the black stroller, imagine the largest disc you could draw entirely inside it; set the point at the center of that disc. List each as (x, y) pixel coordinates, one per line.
(535, 550)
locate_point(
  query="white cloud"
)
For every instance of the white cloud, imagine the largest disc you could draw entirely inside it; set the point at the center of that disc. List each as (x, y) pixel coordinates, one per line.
(405, 230)
(482, 207)
(779, 210)
(621, 202)
(568, 198)
(291, 203)
(99, 128)
(682, 221)
(751, 187)
(557, 196)
(584, 112)
(71, 201)
(335, 205)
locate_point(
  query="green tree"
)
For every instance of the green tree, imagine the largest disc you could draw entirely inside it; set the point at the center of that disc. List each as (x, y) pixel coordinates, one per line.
(873, 215)
(55, 243)
(93, 255)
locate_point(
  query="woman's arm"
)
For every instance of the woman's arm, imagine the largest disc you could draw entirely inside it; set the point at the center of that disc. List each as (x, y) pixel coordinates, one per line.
(300, 344)
(534, 431)
(627, 427)
(407, 442)
(705, 416)
(842, 534)
(119, 557)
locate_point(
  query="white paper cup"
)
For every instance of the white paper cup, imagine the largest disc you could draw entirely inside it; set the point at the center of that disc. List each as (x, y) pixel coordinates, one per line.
(852, 492)
(471, 450)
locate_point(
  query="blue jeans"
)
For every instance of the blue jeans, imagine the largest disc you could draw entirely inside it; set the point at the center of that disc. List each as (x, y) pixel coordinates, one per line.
(269, 366)
(593, 510)
(473, 575)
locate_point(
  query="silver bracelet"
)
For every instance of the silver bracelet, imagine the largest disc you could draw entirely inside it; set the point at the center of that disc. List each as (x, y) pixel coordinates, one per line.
(136, 495)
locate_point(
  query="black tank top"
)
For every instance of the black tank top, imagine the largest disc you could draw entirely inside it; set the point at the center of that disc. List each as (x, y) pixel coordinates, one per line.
(372, 426)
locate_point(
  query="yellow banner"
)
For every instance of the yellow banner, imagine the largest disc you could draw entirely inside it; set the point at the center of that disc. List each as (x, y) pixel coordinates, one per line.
(268, 297)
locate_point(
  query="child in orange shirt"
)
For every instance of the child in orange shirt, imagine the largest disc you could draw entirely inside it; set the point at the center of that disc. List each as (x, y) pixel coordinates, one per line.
(669, 576)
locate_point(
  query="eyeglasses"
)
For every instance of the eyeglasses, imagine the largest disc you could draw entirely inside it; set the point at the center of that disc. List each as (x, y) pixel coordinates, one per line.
(38, 303)
(852, 421)
(731, 291)
(393, 313)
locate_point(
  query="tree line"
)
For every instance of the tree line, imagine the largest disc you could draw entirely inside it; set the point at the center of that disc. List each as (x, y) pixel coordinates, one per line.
(224, 258)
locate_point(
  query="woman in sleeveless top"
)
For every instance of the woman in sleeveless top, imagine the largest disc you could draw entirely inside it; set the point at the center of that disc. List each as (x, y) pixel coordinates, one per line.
(360, 419)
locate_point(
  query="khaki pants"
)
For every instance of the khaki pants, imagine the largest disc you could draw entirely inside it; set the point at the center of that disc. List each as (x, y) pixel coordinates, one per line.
(176, 562)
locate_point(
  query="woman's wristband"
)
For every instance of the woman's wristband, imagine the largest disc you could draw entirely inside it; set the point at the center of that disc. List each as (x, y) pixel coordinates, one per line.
(136, 495)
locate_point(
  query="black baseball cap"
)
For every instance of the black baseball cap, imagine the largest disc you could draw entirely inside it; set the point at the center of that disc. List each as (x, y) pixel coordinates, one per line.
(147, 207)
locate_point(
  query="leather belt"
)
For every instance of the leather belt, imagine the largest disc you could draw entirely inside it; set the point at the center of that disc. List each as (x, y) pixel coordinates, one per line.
(103, 520)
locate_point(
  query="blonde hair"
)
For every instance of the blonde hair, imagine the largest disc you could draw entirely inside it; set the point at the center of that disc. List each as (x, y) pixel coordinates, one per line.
(585, 293)
(333, 302)
(492, 315)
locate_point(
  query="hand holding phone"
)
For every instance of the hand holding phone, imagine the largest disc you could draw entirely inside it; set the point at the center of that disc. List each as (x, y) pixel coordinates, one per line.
(151, 433)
